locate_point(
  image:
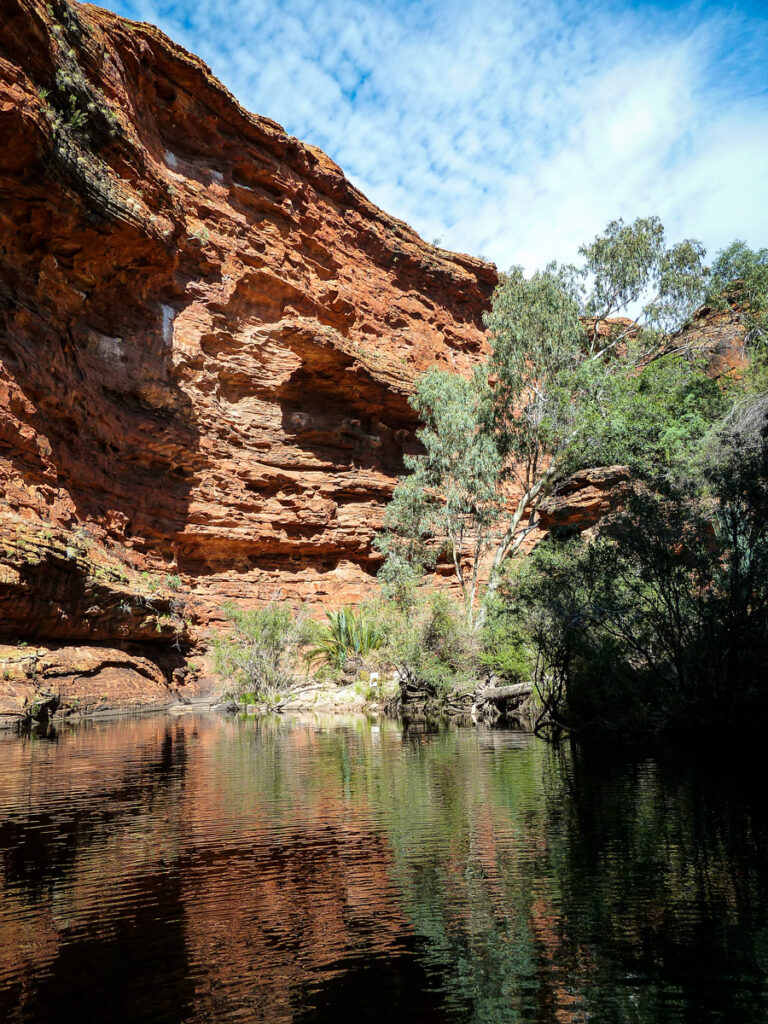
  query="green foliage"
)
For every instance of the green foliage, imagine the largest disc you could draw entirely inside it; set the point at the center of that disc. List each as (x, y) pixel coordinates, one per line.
(368, 690)
(536, 339)
(348, 633)
(36, 708)
(62, 13)
(553, 396)
(507, 649)
(662, 622)
(550, 372)
(436, 648)
(653, 420)
(259, 655)
(252, 697)
(408, 524)
(460, 459)
(739, 279)
(73, 106)
(173, 582)
(151, 583)
(398, 577)
(452, 491)
(83, 538)
(70, 114)
(200, 234)
(631, 264)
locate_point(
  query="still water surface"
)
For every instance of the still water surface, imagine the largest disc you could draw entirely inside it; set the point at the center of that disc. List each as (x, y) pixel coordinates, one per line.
(209, 869)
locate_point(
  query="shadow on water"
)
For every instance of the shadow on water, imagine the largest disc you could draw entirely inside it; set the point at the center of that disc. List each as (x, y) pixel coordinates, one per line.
(662, 869)
(318, 869)
(385, 989)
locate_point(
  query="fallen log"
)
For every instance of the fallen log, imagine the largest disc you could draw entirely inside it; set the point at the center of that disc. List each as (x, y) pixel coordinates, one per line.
(494, 702)
(505, 692)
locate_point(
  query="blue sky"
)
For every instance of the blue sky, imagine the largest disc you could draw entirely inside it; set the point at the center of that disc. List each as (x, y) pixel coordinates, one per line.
(514, 129)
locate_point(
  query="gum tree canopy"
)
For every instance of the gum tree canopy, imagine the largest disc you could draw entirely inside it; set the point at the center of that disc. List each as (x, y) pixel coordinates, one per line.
(542, 404)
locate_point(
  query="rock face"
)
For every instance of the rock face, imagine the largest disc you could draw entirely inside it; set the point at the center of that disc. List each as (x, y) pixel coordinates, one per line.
(208, 336)
(73, 680)
(716, 335)
(582, 500)
(102, 636)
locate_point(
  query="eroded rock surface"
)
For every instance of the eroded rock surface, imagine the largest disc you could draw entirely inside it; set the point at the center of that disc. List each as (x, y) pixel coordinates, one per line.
(586, 497)
(38, 682)
(208, 336)
(716, 336)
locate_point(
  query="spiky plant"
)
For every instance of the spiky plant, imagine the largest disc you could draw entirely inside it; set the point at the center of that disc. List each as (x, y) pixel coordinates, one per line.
(346, 633)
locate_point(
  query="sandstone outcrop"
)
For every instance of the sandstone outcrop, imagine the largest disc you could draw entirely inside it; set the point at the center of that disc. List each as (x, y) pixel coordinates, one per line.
(64, 586)
(72, 680)
(582, 500)
(208, 338)
(717, 336)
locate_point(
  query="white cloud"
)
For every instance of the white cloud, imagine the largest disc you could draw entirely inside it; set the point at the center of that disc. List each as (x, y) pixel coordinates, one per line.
(507, 127)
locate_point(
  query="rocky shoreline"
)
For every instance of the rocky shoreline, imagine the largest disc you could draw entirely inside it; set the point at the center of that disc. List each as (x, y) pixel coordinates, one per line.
(73, 701)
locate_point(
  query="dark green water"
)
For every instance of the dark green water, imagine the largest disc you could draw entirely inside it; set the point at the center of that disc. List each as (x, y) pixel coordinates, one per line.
(211, 870)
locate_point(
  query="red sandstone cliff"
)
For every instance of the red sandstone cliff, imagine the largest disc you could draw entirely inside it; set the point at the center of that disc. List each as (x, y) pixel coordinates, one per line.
(207, 339)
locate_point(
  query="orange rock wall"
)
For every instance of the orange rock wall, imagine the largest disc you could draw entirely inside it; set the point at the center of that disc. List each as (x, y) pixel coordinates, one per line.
(208, 336)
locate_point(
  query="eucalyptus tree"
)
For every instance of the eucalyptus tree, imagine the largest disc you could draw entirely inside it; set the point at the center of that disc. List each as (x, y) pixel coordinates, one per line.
(452, 491)
(739, 280)
(493, 444)
(630, 268)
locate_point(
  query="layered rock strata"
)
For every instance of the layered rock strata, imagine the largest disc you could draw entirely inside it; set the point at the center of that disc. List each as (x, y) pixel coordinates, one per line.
(586, 497)
(208, 336)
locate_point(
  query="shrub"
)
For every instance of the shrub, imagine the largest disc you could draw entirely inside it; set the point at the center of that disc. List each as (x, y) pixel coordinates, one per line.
(259, 655)
(652, 421)
(200, 234)
(435, 647)
(739, 283)
(507, 648)
(662, 622)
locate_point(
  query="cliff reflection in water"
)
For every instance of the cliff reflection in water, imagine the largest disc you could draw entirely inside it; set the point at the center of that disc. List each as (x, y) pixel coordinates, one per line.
(210, 869)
